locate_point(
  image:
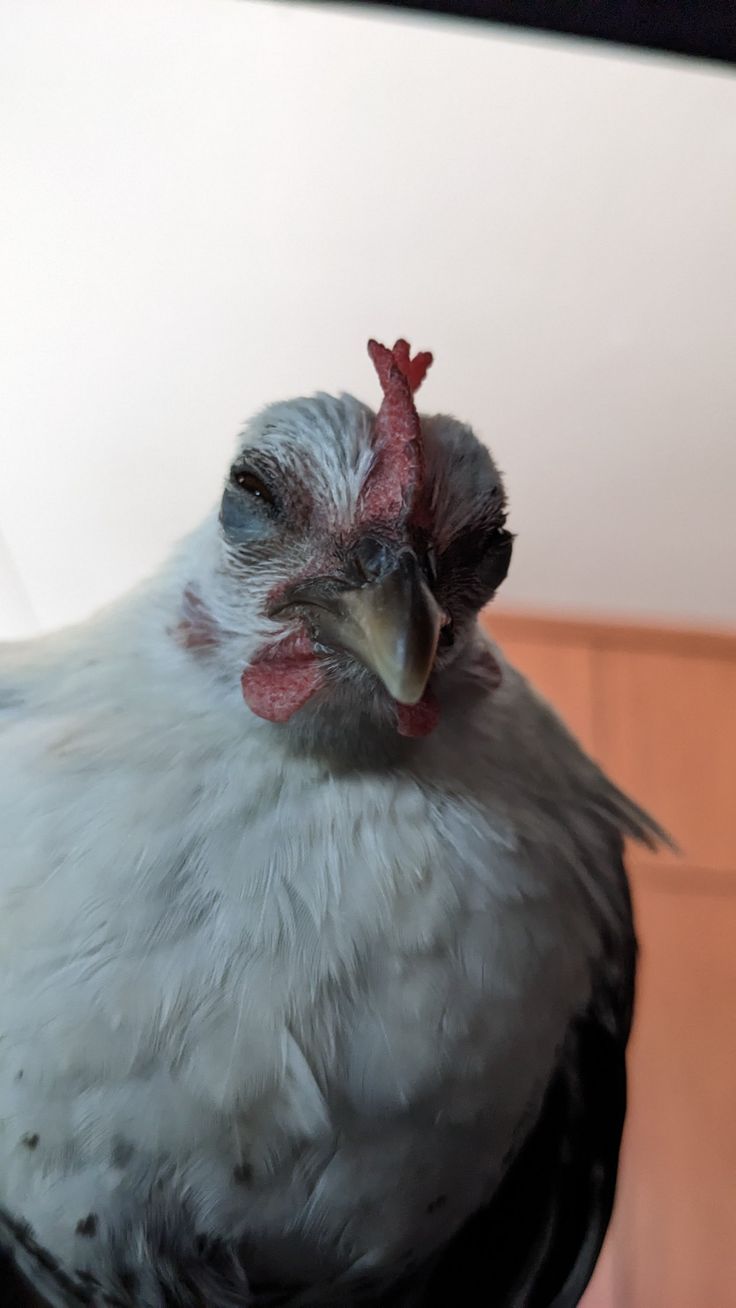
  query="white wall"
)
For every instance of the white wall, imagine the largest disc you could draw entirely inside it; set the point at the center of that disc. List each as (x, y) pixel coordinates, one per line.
(208, 204)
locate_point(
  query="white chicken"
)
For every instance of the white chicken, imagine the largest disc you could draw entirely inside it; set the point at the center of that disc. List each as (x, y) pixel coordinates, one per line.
(316, 951)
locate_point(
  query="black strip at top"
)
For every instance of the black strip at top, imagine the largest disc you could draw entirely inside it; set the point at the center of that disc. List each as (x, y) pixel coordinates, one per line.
(704, 29)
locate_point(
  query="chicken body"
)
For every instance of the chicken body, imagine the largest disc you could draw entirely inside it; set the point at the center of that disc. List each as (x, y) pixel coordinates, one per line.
(280, 1002)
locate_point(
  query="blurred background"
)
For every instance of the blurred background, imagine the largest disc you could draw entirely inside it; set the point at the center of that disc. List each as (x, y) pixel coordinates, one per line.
(211, 204)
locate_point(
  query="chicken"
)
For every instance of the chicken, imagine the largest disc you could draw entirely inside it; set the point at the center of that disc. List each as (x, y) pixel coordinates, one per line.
(316, 949)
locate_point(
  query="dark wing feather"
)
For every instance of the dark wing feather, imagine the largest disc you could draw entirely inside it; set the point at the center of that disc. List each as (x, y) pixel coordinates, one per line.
(15, 1290)
(537, 1243)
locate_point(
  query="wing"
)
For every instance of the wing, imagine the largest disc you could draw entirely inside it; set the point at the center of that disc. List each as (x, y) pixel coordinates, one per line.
(537, 1243)
(30, 1276)
(14, 1289)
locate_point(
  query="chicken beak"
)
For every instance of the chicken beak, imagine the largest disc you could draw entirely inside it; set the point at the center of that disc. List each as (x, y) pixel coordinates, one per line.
(391, 625)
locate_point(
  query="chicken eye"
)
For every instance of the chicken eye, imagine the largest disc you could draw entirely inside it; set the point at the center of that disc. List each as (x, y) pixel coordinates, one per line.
(252, 485)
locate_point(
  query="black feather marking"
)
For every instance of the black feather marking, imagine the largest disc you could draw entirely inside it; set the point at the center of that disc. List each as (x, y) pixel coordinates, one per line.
(16, 1233)
(14, 1289)
(87, 1226)
(539, 1239)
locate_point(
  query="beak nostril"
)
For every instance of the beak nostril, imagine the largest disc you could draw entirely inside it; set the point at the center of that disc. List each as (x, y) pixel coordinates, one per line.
(447, 633)
(371, 557)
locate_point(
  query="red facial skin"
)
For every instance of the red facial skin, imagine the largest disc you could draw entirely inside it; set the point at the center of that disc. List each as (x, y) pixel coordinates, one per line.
(196, 629)
(281, 678)
(418, 719)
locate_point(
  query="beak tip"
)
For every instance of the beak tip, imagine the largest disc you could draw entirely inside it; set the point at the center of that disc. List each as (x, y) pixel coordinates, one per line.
(408, 695)
(405, 685)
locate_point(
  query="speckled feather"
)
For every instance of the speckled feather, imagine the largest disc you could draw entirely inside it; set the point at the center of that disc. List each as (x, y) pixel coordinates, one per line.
(280, 1004)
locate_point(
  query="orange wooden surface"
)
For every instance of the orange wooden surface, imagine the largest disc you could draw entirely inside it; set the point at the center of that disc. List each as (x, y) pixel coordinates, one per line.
(634, 636)
(666, 727)
(658, 708)
(675, 1242)
(566, 680)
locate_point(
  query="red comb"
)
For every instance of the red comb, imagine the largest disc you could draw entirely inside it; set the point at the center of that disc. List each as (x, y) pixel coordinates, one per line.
(394, 486)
